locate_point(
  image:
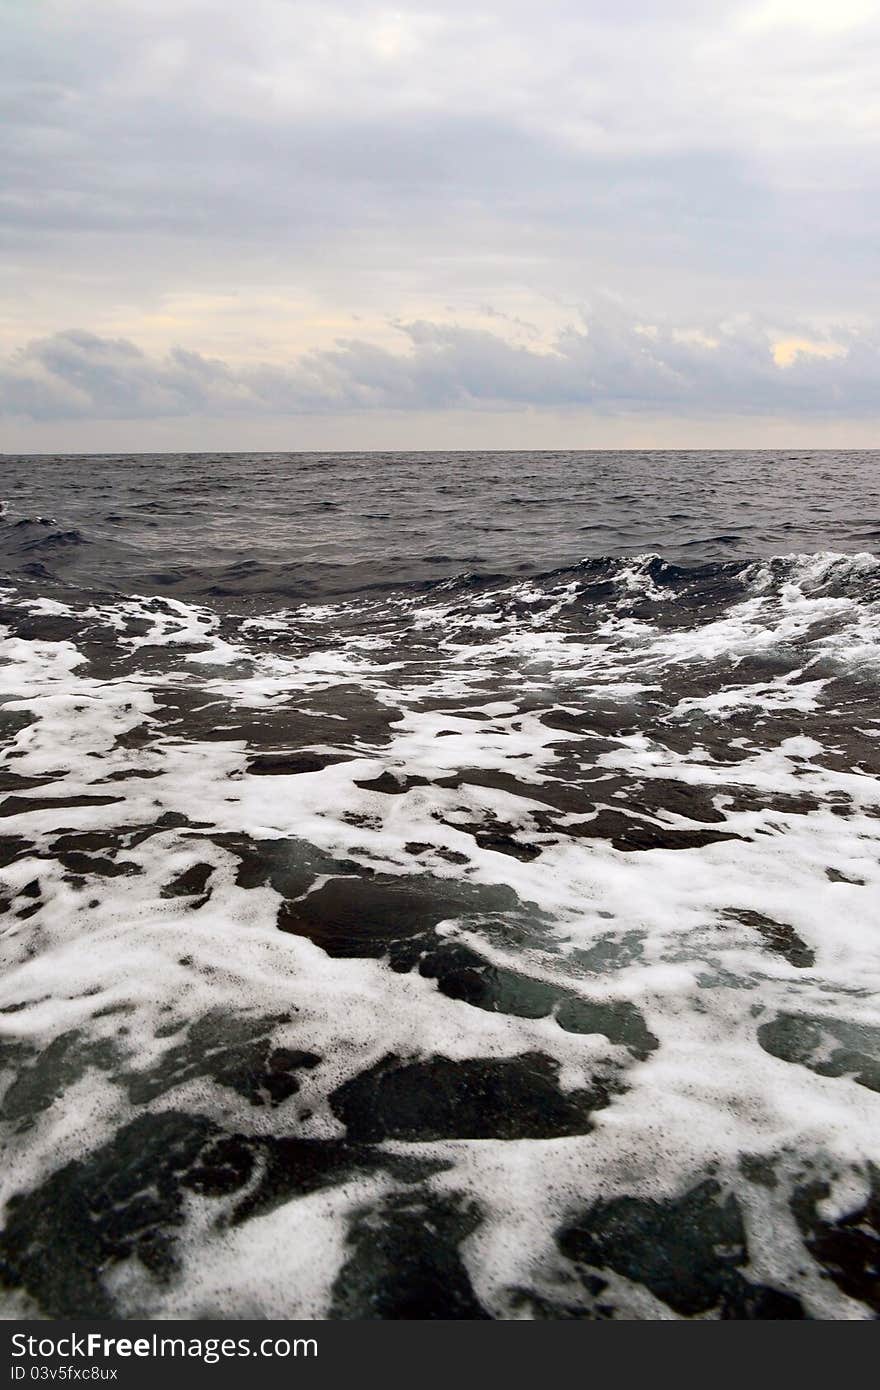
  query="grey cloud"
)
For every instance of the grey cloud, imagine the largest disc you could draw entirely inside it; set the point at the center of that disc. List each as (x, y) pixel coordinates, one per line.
(610, 363)
(157, 146)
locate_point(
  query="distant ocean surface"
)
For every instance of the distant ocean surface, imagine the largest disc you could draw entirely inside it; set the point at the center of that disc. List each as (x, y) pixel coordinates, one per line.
(440, 885)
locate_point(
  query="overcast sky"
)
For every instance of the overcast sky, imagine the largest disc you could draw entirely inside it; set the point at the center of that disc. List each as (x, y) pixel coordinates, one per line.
(576, 223)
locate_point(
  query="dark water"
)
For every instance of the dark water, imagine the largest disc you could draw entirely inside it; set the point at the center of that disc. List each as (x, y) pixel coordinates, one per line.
(440, 886)
(296, 526)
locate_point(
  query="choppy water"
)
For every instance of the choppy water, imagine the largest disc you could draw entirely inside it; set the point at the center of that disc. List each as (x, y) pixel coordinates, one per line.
(441, 886)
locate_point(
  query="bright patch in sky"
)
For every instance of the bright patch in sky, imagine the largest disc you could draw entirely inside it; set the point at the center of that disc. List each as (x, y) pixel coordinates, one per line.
(828, 15)
(787, 350)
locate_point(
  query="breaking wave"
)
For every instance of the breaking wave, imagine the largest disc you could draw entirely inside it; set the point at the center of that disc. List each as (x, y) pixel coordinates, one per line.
(403, 917)
(475, 946)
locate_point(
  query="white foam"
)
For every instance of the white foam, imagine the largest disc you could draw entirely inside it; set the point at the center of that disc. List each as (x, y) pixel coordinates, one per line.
(703, 978)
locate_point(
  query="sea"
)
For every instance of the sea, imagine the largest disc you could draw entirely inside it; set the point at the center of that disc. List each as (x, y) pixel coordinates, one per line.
(440, 885)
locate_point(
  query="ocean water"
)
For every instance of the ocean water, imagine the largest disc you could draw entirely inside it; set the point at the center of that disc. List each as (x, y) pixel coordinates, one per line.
(440, 886)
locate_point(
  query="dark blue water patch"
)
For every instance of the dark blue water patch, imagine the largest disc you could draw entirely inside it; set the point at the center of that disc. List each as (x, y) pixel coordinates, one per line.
(691, 1252)
(55, 539)
(732, 539)
(191, 515)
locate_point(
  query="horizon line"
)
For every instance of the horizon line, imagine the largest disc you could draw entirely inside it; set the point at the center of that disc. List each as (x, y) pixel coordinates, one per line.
(599, 449)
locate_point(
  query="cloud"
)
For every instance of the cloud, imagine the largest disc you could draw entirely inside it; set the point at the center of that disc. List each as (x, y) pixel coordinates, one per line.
(387, 153)
(788, 350)
(256, 180)
(611, 361)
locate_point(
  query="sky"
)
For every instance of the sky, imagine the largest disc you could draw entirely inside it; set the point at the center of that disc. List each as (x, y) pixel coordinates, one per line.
(453, 224)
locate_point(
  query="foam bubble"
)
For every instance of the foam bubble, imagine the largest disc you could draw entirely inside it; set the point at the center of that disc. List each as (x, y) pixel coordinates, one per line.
(526, 915)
